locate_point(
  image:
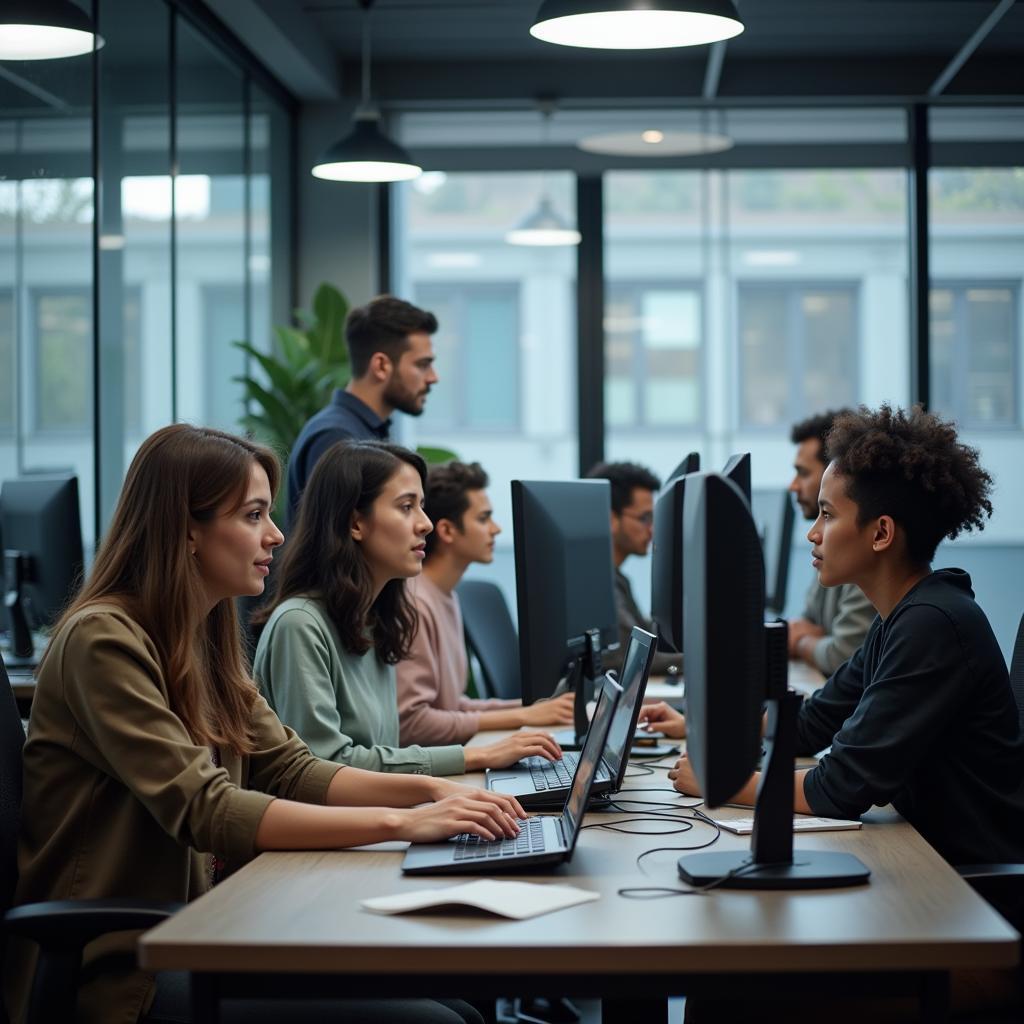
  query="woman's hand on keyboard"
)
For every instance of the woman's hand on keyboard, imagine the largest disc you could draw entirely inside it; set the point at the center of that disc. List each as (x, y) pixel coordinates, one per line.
(553, 711)
(508, 751)
(474, 811)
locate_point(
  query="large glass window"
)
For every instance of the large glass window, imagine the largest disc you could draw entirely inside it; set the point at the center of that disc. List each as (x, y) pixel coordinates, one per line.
(506, 344)
(798, 351)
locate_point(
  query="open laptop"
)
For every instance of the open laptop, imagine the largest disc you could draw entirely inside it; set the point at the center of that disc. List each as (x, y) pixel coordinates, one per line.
(548, 840)
(536, 782)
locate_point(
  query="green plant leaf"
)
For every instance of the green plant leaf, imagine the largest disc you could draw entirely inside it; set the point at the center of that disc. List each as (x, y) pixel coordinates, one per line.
(294, 346)
(278, 373)
(435, 456)
(285, 423)
(327, 336)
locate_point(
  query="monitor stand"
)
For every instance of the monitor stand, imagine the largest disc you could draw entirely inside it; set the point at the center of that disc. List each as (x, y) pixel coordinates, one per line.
(772, 863)
(582, 682)
(17, 569)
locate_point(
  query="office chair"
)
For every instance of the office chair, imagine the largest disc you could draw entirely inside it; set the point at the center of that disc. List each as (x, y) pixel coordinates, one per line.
(62, 928)
(1002, 885)
(492, 638)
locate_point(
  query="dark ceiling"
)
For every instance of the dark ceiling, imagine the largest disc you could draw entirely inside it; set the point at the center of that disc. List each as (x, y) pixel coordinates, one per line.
(480, 51)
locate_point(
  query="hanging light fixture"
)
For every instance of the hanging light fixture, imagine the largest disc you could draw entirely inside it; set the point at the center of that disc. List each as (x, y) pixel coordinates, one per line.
(544, 225)
(636, 24)
(366, 153)
(44, 30)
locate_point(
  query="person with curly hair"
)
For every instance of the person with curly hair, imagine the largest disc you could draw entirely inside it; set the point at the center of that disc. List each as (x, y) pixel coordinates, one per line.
(922, 716)
(432, 702)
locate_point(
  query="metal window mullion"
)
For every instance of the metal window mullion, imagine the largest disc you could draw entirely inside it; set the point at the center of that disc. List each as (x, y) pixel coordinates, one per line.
(172, 70)
(590, 321)
(919, 269)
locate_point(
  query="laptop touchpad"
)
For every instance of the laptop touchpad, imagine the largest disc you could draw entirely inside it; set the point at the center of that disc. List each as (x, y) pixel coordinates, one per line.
(505, 784)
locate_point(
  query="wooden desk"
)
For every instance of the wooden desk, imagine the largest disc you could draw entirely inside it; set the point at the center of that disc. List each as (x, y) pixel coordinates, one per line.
(290, 922)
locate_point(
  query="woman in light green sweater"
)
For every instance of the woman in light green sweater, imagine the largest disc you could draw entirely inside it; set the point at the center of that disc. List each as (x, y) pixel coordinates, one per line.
(340, 619)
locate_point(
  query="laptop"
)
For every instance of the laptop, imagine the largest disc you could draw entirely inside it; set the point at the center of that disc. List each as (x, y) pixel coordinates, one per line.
(536, 782)
(547, 840)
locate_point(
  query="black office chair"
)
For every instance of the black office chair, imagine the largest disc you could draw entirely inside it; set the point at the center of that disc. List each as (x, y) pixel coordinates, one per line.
(62, 928)
(492, 638)
(1002, 885)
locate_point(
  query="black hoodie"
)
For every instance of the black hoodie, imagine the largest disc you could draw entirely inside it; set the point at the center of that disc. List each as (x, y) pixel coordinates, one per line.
(922, 716)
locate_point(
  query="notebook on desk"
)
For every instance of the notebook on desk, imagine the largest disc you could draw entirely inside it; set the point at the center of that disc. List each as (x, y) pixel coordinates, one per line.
(536, 782)
(541, 841)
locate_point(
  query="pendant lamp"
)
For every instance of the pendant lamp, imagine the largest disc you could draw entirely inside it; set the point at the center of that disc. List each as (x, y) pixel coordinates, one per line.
(45, 30)
(544, 225)
(366, 153)
(636, 24)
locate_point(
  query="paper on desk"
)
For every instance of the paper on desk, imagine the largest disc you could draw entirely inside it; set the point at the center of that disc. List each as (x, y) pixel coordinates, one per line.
(518, 900)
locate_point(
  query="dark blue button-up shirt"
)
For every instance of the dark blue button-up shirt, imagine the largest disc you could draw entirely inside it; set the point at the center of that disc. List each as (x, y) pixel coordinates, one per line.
(347, 418)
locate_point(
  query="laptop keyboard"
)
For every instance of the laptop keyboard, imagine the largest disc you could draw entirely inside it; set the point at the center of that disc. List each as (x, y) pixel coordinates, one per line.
(552, 774)
(529, 840)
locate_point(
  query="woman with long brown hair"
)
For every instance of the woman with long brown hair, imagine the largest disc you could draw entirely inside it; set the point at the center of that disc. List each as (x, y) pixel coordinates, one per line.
(153, 765)
(340, 619)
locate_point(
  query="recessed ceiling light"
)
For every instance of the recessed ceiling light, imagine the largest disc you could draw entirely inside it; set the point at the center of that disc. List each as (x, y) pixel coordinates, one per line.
(652, 136)
(45, 30)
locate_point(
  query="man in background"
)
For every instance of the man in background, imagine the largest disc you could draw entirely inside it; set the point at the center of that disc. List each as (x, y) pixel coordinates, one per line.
(633, 490)
(835, 620)
(392, 361)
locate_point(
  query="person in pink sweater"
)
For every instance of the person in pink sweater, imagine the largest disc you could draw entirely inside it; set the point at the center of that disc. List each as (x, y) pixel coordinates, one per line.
(432, 704)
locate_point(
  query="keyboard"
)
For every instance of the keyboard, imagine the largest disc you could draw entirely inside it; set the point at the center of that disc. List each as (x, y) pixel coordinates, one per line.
(529, 840)
(552, 774)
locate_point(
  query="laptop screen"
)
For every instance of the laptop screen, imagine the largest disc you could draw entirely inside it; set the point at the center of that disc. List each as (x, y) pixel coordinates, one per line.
(597, 735)
(632, 679)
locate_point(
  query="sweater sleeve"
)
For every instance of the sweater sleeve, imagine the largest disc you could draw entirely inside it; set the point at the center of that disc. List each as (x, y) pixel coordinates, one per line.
(298, 661)
(823, 713)
(113, 686)
(282, 764)
(854, 616)
(912, 696)
(420, 720)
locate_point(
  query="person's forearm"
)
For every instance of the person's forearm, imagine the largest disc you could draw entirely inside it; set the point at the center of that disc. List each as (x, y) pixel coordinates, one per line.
(354, 787)
(287, 825)
(507, 718)
(805, 649)
(748, 794)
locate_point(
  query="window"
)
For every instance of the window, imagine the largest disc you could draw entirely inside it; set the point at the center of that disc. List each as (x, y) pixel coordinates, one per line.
(477, 355)
(974, 364)
(652, 355)
(63, 359)
(798, 345)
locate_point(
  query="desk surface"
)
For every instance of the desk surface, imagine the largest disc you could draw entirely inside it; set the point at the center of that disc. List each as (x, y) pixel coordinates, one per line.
(802, 678)
(298, 912)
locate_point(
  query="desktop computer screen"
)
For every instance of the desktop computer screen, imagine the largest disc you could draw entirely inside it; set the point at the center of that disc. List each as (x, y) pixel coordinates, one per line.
(667, 557)
(691, 464)
(564, 577)
(42, 556)
(737, 469)
(736, 665)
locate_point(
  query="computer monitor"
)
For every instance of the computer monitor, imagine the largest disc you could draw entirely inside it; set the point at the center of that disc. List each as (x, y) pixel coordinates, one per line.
(691, 464)
(667, 561)
(737, 469)
(565, 586)
(775, 515)
(42, 556)
(734, 663)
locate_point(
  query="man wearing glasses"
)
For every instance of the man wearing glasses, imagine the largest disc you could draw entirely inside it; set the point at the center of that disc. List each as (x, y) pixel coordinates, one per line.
(633, 490)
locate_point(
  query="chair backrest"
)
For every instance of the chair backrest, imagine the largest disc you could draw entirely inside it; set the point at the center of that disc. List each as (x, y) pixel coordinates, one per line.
(492, 637)
(12, 739)
(1017, 672)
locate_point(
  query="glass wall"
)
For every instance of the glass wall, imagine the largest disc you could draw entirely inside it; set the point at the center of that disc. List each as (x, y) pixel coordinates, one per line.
(506, 344)
(187, 227)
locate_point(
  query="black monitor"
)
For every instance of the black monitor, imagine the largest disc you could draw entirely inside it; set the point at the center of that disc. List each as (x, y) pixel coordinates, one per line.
(667, 561)
(737, 469)
(565, 585)
(42, 556)
(775, 515)
(691, 464)
(734, 663)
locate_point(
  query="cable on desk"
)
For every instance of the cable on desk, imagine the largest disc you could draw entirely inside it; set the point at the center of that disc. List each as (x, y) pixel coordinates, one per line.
(655, 892)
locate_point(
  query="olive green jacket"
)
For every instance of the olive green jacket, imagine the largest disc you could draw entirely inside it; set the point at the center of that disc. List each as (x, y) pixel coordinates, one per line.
(120, 802)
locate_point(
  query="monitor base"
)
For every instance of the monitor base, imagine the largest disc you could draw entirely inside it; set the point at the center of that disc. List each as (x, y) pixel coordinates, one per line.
(810, 869)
